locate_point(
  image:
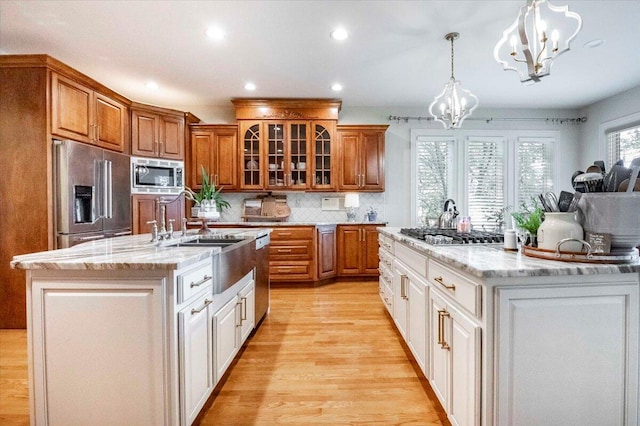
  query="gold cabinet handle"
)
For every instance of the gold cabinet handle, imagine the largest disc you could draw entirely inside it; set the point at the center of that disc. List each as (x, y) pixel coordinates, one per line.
(243, 313)
(199, 283)
(440, 281)
(284, 250)
(403, 291)
(207, 302)
(442, 314)
(97, 133)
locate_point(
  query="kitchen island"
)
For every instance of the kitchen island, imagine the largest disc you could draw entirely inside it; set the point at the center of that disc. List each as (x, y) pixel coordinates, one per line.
(506, 339)
(129, 331)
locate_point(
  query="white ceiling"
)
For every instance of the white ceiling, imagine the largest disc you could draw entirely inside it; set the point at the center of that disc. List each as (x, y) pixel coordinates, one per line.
(396, 54)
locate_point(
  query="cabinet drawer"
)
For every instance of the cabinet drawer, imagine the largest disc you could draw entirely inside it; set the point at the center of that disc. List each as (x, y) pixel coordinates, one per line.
(385, 259)
(193, 282)
(290, 271)
(411, 258)
(297, 233)
(300, 250)
(464, 291)
(385, 243)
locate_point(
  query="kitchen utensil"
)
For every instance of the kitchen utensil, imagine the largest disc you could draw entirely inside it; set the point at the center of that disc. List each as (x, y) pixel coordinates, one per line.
(564, 201)
(631, 184)
(635, 162)
(576, 185)
(600, 164)
(615, 177)
(543, 202)
(614, 213)
(552, 202)
(592, 181)
(594, 169)
(574, 202)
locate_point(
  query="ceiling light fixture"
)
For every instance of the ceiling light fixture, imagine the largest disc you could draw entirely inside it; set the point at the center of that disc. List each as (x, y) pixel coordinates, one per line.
(336, 87)
(250, 86)
(339, 34)
(215, 33)
(151, 85)
(455, 103)
(529, 49)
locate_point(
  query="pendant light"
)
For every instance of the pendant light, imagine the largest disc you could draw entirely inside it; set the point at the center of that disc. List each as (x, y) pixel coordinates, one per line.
(455, 103)
(540, 33)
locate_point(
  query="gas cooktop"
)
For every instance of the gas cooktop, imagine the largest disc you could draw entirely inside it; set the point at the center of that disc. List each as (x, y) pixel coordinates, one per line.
(451, 236)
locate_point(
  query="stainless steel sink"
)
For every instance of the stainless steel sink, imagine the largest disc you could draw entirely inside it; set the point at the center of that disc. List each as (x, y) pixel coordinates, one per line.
(236, 259)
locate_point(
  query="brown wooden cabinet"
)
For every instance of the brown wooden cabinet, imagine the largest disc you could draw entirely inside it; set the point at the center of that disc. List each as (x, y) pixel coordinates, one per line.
(361, 157)
(157, 132)
(214, 147)
(147, 208)
(358, 248)
(292, 253)
(326, 252)
(287, 143)
(83, 114)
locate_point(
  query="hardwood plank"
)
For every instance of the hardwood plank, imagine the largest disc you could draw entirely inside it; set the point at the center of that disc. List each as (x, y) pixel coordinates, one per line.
(327, 354)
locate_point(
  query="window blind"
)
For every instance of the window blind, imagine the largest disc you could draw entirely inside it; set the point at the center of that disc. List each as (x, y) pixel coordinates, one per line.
(434, 164)
(485, 179)
(623, 145)
(535, 171)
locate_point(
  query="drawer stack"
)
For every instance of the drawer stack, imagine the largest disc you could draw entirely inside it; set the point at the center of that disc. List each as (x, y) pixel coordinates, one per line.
(292, 253)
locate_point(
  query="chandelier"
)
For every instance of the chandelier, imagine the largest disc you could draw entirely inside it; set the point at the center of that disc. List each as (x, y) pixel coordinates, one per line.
(540, 33)
(455, 103)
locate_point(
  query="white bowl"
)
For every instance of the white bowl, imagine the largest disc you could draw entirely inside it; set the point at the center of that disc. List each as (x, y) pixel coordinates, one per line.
(615, 213)
(302, 166)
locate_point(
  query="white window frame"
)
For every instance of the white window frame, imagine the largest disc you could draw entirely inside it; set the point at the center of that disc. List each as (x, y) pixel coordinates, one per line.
(621, 123)
(459, 185)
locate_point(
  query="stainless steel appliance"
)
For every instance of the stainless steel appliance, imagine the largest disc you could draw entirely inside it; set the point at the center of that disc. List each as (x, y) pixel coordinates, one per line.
(262, 276)
(92, 193)
(439, 236)
(156, 176)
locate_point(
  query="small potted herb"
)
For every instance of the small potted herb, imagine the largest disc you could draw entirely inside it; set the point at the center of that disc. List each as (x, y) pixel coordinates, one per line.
(207, 197)
(529, 220)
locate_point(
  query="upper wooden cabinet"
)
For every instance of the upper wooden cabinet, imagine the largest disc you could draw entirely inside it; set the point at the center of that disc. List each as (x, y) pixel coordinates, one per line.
(214, 147)
(83, 114)
(361, 157)
(287, 143)
(157, 132)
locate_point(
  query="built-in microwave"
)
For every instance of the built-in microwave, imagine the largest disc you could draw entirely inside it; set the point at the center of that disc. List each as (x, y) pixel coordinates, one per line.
(156, 176)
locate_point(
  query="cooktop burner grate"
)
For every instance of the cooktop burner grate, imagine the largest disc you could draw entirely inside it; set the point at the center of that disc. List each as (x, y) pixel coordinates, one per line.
(451, 236)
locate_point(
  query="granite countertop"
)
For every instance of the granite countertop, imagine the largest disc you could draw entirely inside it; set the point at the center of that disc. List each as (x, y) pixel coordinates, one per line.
(492, 261)
(212, 224)
(130, 252)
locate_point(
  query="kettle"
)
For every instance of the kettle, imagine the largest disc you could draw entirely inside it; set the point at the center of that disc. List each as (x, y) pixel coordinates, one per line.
(447, 219)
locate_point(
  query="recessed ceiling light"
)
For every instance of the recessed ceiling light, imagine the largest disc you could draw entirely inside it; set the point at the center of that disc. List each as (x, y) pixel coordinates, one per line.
(339, 34)
(215, 33)
(594, 43)
(250, 86)
(151, 85)
(336, 87)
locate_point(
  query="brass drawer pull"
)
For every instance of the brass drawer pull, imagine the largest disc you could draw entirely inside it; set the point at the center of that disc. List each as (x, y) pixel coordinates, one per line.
(440, 281)
(207, 302)
(284, 250)
(441, 338)
(199, 283)
(284, 234)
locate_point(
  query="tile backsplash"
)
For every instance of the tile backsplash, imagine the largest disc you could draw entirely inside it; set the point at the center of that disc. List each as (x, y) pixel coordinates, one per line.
(307, 206)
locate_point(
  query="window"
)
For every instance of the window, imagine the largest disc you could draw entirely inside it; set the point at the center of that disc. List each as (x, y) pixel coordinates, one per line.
(482, 173)
(623, 145)
(433, 178)
(485, 178)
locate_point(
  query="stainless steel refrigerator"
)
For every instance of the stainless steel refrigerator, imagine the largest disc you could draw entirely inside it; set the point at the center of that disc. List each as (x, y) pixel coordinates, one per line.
(92, 191)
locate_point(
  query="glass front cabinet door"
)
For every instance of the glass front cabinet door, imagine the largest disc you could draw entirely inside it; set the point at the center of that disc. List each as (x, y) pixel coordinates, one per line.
(251, 167)
(322, 177)
(287, 155)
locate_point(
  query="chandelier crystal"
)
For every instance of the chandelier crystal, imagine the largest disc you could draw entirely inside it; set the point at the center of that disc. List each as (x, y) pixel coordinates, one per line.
(540, 33)
(455, 103)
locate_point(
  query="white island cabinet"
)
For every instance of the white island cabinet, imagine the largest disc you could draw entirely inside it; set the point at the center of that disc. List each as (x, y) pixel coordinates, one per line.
(126, 332)
(513, 340)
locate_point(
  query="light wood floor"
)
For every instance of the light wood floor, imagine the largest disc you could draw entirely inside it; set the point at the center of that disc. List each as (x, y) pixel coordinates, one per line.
(326, 355)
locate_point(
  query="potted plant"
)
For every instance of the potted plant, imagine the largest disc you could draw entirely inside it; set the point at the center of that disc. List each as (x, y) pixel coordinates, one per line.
(208, 197)
(529, 220)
